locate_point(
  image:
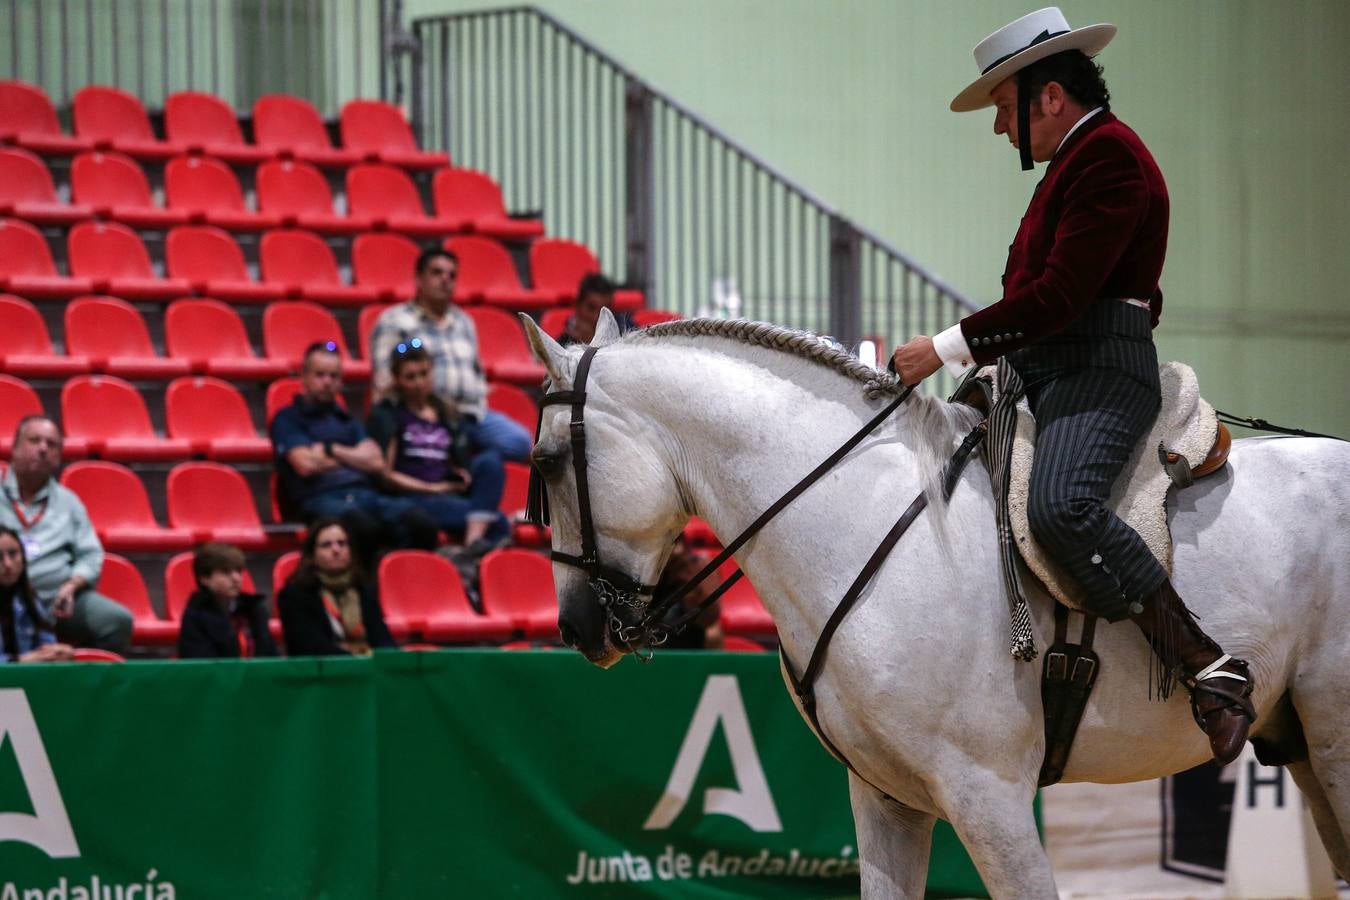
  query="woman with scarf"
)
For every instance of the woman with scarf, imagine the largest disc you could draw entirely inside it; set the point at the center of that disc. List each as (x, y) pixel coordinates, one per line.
(25, 636)
(326, 607)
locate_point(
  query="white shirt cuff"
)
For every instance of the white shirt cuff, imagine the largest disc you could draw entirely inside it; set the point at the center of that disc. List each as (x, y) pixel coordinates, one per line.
(953, 350)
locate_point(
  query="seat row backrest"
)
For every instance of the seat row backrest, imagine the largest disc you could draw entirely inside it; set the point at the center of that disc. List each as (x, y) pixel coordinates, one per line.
(287, 126)
(110, 184)
(108, 257)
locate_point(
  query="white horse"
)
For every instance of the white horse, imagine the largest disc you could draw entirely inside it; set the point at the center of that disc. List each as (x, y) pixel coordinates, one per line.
(919, 691)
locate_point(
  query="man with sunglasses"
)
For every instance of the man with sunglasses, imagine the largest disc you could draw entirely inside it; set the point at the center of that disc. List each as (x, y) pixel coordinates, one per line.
(328, 467)
(449, 337)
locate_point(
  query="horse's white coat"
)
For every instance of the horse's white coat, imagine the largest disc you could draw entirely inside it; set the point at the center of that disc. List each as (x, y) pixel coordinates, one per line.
(919, 690)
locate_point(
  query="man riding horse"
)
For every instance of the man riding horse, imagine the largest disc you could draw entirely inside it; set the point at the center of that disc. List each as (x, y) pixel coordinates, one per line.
(1080, 300)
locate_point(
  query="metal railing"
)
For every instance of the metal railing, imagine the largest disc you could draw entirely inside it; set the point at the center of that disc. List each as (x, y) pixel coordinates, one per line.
(328, 51)
(669, 203)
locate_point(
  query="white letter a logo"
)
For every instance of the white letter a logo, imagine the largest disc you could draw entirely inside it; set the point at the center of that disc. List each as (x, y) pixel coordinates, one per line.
(49, 828)
(752, 804)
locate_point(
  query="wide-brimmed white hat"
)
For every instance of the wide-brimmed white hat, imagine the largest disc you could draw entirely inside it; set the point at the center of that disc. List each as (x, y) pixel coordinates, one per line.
(1019, 44)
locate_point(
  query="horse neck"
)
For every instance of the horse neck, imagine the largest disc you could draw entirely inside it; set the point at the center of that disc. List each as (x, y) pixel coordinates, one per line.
(739, 436)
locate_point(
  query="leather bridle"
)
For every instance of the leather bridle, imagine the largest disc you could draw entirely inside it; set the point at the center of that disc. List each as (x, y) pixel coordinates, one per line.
(613, 588)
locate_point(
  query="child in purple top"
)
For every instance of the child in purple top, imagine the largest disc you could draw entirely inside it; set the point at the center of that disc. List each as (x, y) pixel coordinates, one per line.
(433, 454)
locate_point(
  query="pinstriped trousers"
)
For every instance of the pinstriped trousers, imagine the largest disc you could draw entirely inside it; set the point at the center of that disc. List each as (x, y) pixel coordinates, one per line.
(1088, 423)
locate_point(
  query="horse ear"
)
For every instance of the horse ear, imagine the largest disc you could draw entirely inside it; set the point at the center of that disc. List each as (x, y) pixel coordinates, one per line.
(606, 329)
(545, 349)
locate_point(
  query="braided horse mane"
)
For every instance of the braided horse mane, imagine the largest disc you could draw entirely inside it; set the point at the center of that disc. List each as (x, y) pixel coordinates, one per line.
(802, 344)
(937, 425)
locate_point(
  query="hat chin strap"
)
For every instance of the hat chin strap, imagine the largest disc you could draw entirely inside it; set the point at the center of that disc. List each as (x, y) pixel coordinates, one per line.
(1024, 118)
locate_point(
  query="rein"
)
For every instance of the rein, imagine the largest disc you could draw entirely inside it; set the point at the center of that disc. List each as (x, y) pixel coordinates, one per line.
(616, 589)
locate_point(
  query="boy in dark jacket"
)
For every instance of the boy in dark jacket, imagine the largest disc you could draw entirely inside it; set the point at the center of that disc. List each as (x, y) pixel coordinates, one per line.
(220, 620)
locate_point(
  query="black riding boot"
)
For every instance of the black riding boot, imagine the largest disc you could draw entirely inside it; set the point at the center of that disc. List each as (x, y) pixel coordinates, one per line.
(1220, 685)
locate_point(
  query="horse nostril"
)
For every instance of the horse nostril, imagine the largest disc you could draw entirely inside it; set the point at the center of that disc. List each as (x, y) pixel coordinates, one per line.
(569, 634)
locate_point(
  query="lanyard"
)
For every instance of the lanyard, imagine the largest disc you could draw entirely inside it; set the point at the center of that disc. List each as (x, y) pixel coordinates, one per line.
(23, 520)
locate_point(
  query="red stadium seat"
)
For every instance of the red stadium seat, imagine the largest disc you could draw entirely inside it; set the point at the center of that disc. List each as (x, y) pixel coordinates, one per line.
(115, 120)
(558, 265)
(291, 127)
(180, 583)
(27, 192)
(121, 581)
(474, 202)
(365, 327)
(518, 584)
(303, 265)
(110, 416)
(422, 593)
(291, 326)
(553, 322)
(95, 655)
(502, 347)
(387, 263)
(113, 336)
(388, 197)
(17, 401)
(26, 266)
(643, 318)
(27, 345)
(114, 186)
(510, 400)
(203, 123)
(214, 502)
(283, 568)
(734, 643)
(379, 132)
(698, 533)
(298, 196)
(206, 190)
(120, 510)
(210, 336)
(27, 118)
(743, 612)
(115, 259)
(514, 497)
(212, 415)
(487, 275)
(210, 259)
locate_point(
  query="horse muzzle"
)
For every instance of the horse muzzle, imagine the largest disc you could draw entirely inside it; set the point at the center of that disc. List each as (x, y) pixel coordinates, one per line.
(585, 627)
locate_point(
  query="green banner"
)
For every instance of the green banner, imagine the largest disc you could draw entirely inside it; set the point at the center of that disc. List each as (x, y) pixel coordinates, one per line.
(476, 773)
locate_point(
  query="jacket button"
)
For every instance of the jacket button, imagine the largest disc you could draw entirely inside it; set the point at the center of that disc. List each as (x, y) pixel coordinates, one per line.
(1019, 335)
(998, 339)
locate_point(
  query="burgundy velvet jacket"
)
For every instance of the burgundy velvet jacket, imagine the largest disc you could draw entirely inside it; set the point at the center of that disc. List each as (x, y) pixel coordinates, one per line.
(1096, 228)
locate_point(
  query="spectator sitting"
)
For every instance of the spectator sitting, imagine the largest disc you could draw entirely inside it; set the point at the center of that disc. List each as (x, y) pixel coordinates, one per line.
(435, 457)
(328, 467)
(705, 631)
(451, 339)
(596, 292)
(221, 621)
(25, 636)
(326, 608)
(63, 555)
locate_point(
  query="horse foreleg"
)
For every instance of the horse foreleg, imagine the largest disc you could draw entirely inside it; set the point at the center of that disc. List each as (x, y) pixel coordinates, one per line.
(1324, 817)
(893, 842)
(995, 823)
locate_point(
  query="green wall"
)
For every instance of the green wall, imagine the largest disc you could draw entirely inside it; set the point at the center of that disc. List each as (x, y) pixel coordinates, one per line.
(1243, 103)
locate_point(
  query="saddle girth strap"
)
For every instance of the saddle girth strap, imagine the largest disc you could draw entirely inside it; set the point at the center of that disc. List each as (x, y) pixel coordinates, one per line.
(1068, 675)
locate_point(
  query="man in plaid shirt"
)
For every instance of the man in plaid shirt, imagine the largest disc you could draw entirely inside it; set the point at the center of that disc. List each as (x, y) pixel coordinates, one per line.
(449, 336)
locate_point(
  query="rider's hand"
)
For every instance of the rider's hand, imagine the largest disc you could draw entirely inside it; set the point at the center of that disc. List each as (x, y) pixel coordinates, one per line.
(916, 360)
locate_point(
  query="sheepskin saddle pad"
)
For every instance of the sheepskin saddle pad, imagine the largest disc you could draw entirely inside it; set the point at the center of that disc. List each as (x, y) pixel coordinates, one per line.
(1187, 428)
